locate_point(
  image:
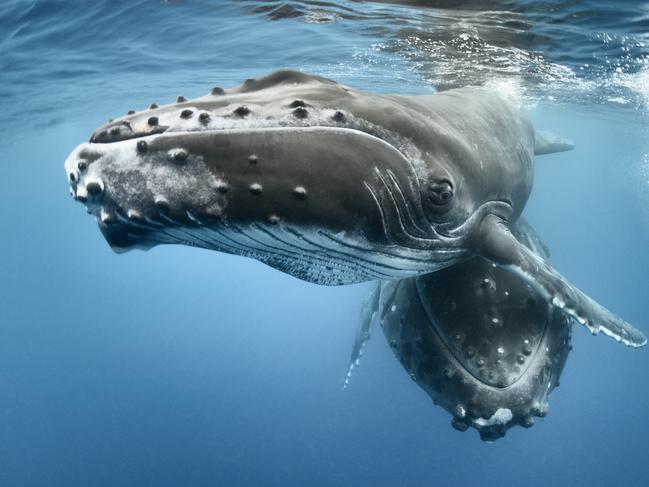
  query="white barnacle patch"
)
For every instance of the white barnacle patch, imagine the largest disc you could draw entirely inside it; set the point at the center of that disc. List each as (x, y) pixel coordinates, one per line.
(134, 215)
(558, 302)
(81, 192)
(105, 217)
(143, 183)
(459, 411)
(502, 416)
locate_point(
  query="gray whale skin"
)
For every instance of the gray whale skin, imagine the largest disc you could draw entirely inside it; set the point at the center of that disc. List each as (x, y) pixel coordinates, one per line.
(329, 184)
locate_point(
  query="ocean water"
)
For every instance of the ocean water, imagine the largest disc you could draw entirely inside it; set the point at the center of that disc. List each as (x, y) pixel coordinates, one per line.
(184, 367)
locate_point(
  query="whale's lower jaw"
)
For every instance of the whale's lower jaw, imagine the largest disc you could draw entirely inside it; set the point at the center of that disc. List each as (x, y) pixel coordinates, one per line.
(314, 255)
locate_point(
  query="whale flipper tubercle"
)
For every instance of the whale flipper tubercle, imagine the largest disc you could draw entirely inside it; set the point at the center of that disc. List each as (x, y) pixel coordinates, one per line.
(496, 243)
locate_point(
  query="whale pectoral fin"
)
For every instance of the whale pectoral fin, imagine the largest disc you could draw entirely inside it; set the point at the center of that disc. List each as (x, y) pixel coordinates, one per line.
(369, 314)
(549, 143)
(526, 234)
(495, 242)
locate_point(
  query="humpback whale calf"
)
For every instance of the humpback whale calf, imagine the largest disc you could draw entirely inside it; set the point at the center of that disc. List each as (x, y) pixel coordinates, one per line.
(480, 342)
(328, 183)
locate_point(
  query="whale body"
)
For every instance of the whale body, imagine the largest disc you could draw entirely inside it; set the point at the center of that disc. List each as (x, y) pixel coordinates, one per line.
(329, 184)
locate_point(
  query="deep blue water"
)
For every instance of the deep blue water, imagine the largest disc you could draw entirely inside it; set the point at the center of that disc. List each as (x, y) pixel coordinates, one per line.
(186, 367)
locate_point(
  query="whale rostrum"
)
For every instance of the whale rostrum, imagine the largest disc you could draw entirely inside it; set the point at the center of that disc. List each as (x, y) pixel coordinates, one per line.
(329, 184)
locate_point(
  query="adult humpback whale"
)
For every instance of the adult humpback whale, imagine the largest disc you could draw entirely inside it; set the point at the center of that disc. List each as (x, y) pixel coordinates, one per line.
(480, 342)
(329, 184)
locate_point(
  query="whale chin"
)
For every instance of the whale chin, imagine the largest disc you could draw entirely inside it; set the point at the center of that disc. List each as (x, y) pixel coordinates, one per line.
(121, 239)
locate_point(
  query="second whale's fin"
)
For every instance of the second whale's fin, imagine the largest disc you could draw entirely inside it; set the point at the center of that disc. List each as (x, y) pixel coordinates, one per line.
(549, 143)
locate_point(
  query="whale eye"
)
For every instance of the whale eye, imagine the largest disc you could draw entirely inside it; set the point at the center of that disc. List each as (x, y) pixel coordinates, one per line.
(440, 193)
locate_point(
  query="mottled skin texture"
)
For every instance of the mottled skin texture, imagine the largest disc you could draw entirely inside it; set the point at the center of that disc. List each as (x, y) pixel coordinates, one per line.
(476, 339)
(329, 184)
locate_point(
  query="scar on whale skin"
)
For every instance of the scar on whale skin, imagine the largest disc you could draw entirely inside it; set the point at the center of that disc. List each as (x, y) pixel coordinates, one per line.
(392, 186)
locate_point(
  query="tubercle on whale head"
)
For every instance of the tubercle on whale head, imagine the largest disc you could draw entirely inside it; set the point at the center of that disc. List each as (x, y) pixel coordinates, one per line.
(230, 108)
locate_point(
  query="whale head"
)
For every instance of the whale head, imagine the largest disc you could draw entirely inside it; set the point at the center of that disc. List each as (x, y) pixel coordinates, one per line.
(291, 150)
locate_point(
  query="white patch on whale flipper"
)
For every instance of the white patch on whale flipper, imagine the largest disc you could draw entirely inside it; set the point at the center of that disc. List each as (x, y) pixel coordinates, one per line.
(502, 416)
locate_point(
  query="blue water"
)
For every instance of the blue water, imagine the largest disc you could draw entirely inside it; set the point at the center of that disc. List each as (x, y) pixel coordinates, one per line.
(184, 367)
